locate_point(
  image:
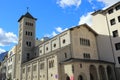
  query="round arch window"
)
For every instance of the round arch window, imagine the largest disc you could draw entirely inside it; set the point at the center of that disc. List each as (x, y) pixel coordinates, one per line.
(64, 41)
(54, 45)
(47, 48)
(80, 77)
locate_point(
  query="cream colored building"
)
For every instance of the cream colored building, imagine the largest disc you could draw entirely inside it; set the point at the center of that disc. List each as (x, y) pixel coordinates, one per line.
(11, 63)
(70, 55)
(107, 24)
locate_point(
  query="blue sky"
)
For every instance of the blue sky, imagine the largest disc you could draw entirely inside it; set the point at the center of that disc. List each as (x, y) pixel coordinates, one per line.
(53, 16)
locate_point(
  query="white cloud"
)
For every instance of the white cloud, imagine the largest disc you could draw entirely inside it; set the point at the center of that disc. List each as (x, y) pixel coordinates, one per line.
(108, 2)
(59, 29)
(47, 35)
(2, 50)
(86, 19)
(54, 33)
(6, 38)
(68, 3)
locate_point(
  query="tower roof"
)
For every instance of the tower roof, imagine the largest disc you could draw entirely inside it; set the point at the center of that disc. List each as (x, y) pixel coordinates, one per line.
(27, 15)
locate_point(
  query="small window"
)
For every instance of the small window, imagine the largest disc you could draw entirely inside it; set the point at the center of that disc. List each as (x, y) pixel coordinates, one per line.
(117, 7)
(28, 69)
(65, 55)
(51, 63)
(35, 54)
(51, 75)
(110, 11)
(28, 43)
(54, 45)
(28, 24)
(73, 68)
(40, 51)
(28, 56)
(63, 41)
(112, 21)
(26, 33)
(42, 66)
(80, 77)
(115, 33)
(118, 18)
(86, 55)
(119, 60)
(117, 46)
(47, 48)
(85, 42)
(34, 68)
(80, 65)
(23, 70)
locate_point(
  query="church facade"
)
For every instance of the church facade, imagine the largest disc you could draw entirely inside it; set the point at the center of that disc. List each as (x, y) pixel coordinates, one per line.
(71, 55)
(79, 53)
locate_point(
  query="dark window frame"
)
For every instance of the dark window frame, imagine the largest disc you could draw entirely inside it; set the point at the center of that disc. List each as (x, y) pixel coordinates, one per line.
(65, 55)
(112, 21)
(115, 33)
(119, 60)
(28, 56)
(118, 18)
(54, 45)
(110, 11)
(117, 7)
(64, 41)
(86, 55)
(117, 46)
(85, 42)
(42, 65)
(34, 67)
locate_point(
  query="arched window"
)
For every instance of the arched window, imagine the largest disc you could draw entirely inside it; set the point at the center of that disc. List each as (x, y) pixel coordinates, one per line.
(80, 77)
(93, 73)
(67, 78)
(110, 73)
(28, 56)
(102, 73)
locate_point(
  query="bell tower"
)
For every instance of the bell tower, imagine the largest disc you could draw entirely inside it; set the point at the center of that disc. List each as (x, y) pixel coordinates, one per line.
(27, 34)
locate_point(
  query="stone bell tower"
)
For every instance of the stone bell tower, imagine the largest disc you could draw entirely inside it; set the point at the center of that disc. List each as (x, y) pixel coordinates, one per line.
(26, 43)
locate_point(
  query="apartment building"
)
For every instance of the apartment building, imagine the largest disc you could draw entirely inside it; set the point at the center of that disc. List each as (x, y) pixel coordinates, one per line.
(107, 24)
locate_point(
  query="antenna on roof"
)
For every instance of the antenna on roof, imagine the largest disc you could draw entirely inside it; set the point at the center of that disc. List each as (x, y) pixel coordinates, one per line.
(27, 9)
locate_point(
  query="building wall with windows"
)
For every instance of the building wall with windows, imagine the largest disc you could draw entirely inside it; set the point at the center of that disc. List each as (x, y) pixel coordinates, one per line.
(11, 63)
(78, 69)
(110, 27)
(42, 68)
(84, 44)
(56, 54)
(70, 55)
(111, 16)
